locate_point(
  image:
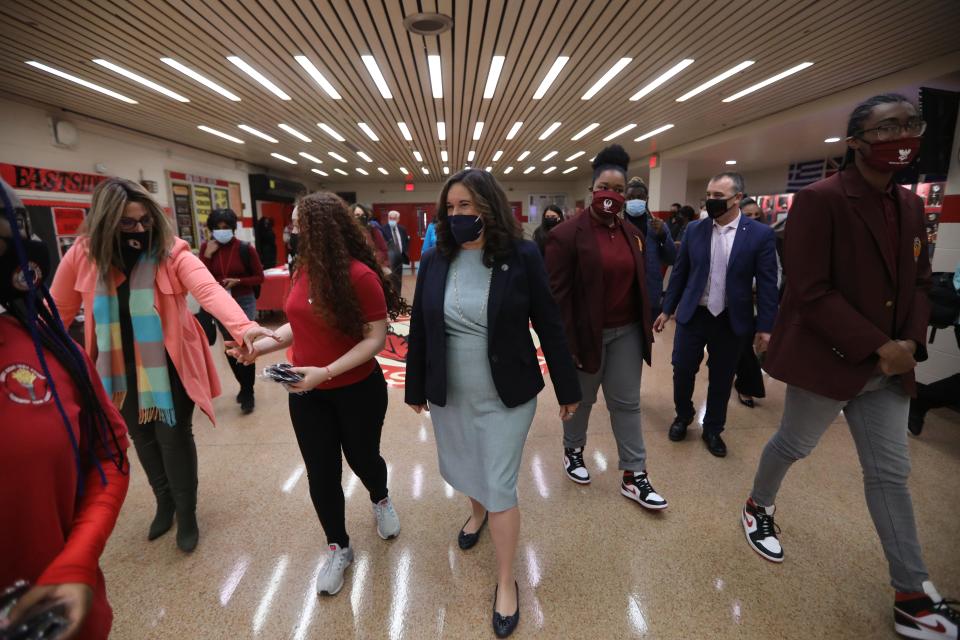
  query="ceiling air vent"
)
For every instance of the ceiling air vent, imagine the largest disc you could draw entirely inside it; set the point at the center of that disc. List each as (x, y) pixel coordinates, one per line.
(428, 24)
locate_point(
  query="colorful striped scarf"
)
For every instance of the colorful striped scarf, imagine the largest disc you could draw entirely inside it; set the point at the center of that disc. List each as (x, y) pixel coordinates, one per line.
(154, 397)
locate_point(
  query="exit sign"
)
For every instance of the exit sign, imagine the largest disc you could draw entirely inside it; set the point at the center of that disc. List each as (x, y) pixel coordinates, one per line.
(409, 186)
(655, 161)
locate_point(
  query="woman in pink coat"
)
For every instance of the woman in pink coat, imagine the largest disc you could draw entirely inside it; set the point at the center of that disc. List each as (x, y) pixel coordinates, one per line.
(131, 275)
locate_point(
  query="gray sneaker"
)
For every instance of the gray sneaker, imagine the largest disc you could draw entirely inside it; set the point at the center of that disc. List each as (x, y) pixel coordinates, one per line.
(388, 524)
(330, 580)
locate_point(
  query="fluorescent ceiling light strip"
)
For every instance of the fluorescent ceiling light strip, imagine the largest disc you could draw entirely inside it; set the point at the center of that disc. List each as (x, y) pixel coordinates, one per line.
(383, 171)
(619, 131)
(323, 173)
(367, 130)
(666, 75)
(607, 77)
(362, 171)
(497, 155)
(477, 130)
(508, 170)
(436, 76)
(570, 169)
(341, 171)
(549, 130)
(731, 162)
(548, 170)
(294, 132)
(259, 134)
(284, 158)
(304, 154)
(548, 156)
(126, 73)
(374, 71)
(529, 170)
(444, 156)
(417, 156)
(493, 76)
(442, 130)
(488, 169)
(336, 156)
(575, 156)
(552, 74)
(219, 133)
(259, 77)
(523, 156)
(833, 139)
(514, 129)
(404, 171)
(364, 156)
(425, 171)
(769, 81)
(404, 131)
(318, 77)
(586, 130)
(82, 82)
(717, 80)
(330, 132)
(471, 155)
(650, 134)
(446, 171)
(205, 81)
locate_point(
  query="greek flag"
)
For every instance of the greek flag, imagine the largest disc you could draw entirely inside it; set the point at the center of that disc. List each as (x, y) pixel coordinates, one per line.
(802, 174)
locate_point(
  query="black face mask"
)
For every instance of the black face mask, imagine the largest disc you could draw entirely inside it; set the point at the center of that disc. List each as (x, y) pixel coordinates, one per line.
(133, 245)
(294, 243)
(716, 207)
(13, 281)
(550, 223)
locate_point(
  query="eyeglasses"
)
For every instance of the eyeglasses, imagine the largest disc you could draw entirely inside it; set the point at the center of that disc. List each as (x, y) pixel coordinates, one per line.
(129, 224)
(894, 130)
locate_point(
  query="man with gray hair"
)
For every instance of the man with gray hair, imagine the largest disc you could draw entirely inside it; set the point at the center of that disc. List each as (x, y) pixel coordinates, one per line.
(711, 294)
(398, 246)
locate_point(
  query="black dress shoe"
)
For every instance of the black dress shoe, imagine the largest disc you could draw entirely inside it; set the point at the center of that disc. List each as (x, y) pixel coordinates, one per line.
(503, 626)
(469, 540)
(747, 403)
(678, 430)
(715, 444)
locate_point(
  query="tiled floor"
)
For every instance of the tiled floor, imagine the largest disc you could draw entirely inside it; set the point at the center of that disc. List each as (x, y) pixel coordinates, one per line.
(591, 564)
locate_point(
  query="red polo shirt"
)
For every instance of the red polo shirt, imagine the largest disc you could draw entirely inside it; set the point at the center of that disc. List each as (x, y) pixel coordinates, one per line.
(619, 275)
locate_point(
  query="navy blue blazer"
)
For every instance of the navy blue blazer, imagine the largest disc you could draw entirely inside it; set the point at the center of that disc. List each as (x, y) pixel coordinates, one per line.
(754, 256)
(519, 294)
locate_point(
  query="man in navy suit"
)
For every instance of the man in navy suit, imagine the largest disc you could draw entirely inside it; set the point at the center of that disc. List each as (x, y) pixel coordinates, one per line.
(711, 294)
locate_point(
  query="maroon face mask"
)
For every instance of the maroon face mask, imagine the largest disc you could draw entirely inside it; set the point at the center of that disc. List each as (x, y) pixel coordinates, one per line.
(607, 204)
(891, 155)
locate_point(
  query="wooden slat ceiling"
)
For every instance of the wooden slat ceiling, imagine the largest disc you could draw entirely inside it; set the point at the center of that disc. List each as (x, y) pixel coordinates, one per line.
(849, 42)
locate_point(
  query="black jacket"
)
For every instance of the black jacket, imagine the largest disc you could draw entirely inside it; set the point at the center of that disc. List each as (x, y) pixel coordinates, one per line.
(519, 294)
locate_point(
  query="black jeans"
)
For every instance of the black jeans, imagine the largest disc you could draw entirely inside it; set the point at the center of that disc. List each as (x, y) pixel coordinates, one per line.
(749, 381)
(348, 419)
(724, 347)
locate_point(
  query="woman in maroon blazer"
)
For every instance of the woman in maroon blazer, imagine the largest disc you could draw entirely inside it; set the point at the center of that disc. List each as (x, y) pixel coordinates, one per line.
(849, 334)
(597, 275)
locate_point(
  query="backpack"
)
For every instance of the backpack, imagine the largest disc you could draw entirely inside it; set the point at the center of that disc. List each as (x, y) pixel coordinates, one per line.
(245, 258)
(944, 302)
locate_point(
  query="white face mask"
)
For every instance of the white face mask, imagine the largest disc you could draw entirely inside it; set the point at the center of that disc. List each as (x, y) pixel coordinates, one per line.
(223, 236)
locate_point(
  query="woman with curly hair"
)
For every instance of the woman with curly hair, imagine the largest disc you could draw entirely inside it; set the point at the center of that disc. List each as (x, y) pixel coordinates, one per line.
(472, 358)
(338, 309)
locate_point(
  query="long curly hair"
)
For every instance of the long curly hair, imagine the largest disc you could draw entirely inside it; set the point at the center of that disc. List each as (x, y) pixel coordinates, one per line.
(501, 229)
(330, 239)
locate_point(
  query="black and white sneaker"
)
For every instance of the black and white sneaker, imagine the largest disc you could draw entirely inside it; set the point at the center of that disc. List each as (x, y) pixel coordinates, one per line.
(761, 531)
(925, 615)
(637, 487)
(573, 465)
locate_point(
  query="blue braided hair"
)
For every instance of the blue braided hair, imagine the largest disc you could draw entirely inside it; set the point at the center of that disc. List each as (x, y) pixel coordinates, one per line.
(39, 315)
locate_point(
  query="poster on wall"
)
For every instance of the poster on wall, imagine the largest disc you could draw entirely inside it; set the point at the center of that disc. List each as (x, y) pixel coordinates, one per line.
(221, 198)
(203, 207)
(183, 213)
(194, 197)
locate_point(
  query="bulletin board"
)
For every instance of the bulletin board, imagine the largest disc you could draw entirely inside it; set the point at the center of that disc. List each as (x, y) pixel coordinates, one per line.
(194, 197)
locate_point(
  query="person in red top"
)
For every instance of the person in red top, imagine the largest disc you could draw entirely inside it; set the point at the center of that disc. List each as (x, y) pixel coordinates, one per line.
(63, 466)
(373, 231)
(236, 265)
(598, 276)
(338, 308)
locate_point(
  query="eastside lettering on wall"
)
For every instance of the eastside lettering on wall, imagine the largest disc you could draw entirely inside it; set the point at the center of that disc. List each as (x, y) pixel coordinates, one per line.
(38, 179)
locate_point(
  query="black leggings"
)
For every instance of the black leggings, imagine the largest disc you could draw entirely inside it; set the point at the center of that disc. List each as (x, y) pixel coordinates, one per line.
(349, 419)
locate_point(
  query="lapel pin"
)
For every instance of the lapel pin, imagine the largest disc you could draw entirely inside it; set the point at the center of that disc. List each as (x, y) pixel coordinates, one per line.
(504, 267)
(916, 248)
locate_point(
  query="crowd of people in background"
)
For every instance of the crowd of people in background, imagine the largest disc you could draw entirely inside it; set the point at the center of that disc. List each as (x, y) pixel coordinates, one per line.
(837, 309)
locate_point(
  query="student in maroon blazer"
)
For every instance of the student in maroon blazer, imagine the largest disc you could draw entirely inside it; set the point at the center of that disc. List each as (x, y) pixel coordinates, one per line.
(597, 275)
(849, 334)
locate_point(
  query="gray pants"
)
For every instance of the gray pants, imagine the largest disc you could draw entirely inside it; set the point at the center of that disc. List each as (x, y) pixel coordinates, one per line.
(877, 418)
(621, 364)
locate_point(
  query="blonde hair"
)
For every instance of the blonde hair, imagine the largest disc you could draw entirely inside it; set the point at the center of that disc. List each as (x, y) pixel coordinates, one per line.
(101, 226)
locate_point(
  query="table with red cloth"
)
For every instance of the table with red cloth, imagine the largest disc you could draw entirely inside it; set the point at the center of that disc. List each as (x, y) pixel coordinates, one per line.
(274, 290)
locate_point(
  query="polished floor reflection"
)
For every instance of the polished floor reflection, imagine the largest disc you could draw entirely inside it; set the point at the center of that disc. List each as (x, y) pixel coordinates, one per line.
(590, 563)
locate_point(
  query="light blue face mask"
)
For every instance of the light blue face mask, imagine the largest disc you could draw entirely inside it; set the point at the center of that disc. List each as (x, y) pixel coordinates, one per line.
(636, 207)
(392, 223)
(223, 236)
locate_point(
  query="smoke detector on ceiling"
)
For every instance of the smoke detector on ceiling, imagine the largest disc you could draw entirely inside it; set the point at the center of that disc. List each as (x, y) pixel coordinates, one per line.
(428, 24)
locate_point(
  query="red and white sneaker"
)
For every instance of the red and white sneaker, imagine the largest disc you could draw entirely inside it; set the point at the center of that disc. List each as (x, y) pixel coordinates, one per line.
(761, 531)
(637, 487)
(925, 615)
(574, 467)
